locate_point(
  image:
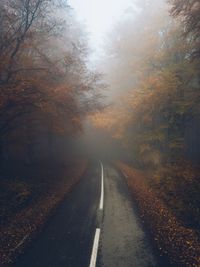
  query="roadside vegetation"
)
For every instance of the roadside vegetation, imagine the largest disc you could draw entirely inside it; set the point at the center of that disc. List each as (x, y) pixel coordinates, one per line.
(156, 114)
(179, 243)
(46, 90)
(30, 205)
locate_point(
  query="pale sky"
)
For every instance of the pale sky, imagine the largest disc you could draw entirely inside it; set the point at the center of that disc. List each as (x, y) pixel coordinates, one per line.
(99, 17)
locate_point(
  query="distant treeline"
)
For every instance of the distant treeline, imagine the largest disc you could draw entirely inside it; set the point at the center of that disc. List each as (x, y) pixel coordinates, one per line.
(155, 54)
(46, 88)
(155, 71)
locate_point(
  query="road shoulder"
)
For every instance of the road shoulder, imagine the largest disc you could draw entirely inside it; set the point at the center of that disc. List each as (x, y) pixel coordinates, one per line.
(179, 243)
(26, 225)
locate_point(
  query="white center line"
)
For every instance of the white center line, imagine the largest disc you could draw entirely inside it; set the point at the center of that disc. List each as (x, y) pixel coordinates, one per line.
(95, 248)
(20, 243)
(102, 188)
(98, 230)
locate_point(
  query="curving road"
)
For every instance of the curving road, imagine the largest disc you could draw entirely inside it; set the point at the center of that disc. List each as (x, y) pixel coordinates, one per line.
(96, 225)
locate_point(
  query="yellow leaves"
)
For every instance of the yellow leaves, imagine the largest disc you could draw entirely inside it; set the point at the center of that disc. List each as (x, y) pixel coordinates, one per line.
(103, 120)
(178, 242)
(177, 143)
(25, 222)
(62, 89)
(189, 242)
(144, 148)
(114, 120)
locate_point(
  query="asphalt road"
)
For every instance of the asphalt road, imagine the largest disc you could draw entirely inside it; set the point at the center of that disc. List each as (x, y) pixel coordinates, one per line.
(96, 225)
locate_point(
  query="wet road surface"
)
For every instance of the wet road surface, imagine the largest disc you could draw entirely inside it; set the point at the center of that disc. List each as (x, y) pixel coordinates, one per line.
(123, 241)
(96, 225)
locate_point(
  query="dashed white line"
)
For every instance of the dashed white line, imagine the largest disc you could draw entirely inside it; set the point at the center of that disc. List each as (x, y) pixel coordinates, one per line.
(95, 248)
(102, 188)
(20, 243)
(93, 258)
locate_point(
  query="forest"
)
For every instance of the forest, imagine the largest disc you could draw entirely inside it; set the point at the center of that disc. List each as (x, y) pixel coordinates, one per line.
(155, 116)
(140, 104)
(46, 90)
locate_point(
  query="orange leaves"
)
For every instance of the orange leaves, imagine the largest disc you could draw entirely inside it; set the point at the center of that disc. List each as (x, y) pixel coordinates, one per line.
(179, 243)
(114, 120)
(28, 221)
(48, 74)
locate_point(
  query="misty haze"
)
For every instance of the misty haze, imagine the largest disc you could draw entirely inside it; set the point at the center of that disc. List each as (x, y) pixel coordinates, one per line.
(99, 133)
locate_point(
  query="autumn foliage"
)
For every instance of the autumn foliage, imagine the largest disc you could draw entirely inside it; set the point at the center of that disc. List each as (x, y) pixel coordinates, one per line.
(31, 219)
(46, 90)
(179, 243)
(154, 74)
(45, 85)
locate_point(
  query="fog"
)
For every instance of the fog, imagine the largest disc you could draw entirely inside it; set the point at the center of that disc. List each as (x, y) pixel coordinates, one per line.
(99, 68)
(145, 62)
(89, 82)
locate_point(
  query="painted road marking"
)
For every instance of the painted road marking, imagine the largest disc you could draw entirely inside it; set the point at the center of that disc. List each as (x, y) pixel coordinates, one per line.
(95, 248)
(20, 243)
(102, 188)
(93, 258)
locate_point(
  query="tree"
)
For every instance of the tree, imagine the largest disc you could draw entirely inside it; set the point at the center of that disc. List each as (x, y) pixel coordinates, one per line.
(159, 85)
(189, 12)
(43, 70)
